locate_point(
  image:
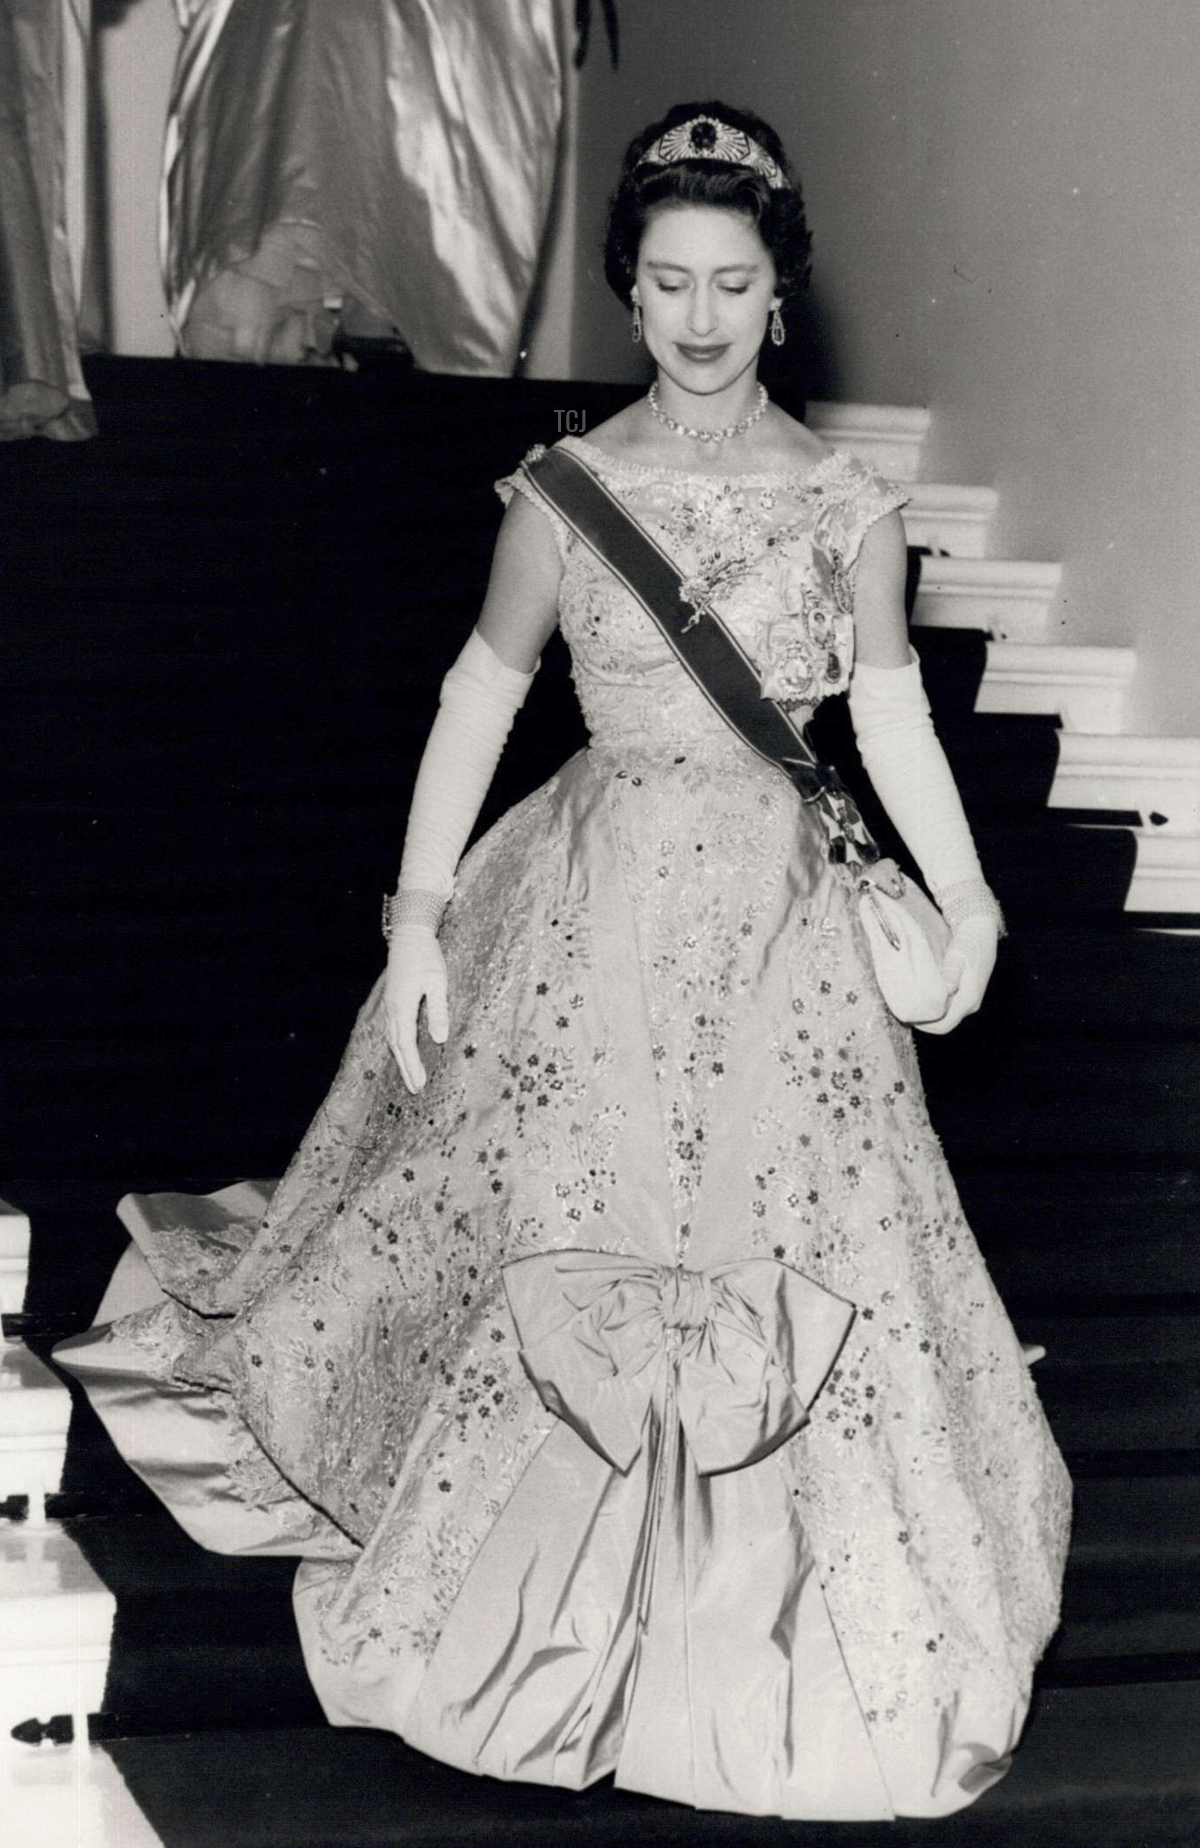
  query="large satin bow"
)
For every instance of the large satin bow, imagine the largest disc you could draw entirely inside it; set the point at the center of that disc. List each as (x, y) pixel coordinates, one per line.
(594, 1629)
(741, 1350)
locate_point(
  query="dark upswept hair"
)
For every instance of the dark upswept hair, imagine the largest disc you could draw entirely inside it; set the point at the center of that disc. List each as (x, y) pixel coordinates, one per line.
(776, 212)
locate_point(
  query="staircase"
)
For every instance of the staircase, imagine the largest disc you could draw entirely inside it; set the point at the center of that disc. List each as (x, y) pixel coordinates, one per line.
(225, 626)
(1151, 785)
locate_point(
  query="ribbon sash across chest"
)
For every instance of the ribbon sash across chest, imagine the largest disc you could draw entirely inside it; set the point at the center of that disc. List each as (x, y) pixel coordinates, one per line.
(705, 646)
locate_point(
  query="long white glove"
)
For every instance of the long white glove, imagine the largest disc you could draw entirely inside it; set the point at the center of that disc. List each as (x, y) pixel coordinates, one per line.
(480, 697)
(912, 779)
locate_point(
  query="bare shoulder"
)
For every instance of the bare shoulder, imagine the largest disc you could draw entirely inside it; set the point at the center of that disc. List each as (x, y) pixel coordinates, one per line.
(787, 443)
(520, 608)
(526, 540)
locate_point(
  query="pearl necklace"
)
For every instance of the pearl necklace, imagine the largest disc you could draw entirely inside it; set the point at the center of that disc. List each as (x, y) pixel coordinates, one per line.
(707, 436)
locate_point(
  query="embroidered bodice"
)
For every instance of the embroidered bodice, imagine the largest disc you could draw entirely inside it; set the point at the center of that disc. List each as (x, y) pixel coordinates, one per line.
(775, 550)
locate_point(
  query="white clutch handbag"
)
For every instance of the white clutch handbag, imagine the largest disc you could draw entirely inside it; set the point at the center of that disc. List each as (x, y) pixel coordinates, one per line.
(908, 938)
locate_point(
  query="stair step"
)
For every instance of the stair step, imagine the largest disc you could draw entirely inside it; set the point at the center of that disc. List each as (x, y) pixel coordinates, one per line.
(1157, 777)
(1114, 1609)
(56, 1621)
(197, 1633)
(1035, 1098)
(1085, 977)
(79, 1238)
(1133, 1576)
(1127, 1338)
(945, 518)
(118, 976)
(1084, 687)
(887, 437)
(1009, 599)
(35, 1410)
(229, 1105)
(55, 1797)
(1003, 763)
(212, 857)
(225, 1101)
(1132, 1558)
(1112, 1765)
(1100, 1393)
(1039, 869)
(14, 1257)
(354, 742)
(109, 744)
(1095, 1231)
(1139, 1518)
(1166, 876)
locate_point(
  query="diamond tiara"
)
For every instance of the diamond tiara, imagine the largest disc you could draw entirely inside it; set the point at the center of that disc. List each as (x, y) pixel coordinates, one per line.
(708, 138)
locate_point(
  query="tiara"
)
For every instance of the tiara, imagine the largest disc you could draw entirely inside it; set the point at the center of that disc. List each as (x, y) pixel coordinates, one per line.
(707, 138)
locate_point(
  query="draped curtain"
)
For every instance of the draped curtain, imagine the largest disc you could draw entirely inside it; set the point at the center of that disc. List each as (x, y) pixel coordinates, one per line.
(44, 47)
(390, 163)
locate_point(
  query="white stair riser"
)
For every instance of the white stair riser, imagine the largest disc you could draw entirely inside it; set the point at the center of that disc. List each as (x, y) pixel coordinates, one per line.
(56, 1624)
(60, 1797)
(37, 1684)
(886, 437)
(14, 1258)
(1006, 619)
(35, 1410)
(1011, 600)
(14, 1279)
(1084, 708)
(1147, 792)
(939, 527)
(1155, 776)
(1084, 687)
(1167, 874)
(1156, 891)
(951, 517)
(32, 1469)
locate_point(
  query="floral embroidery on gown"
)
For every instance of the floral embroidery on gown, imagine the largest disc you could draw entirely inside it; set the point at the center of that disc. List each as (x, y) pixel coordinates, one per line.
(668, 1051)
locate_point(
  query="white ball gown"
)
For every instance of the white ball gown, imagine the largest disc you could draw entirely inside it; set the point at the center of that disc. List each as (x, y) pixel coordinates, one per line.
(674, 1146)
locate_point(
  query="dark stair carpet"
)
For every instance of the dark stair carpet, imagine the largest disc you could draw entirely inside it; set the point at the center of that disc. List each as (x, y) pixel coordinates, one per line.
(1097, 1770)
(224, 627)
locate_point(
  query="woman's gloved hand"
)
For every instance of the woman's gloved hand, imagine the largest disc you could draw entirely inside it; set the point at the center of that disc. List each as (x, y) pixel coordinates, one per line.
(416, 973)
(967, 966)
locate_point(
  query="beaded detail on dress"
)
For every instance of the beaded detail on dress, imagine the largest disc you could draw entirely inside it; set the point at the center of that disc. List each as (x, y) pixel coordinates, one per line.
(775, 550)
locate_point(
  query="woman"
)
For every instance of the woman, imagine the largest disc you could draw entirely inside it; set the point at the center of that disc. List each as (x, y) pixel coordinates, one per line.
(520, 1356)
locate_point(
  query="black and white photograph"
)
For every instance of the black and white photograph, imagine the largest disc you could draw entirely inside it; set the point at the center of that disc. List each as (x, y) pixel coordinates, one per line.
(600, 939)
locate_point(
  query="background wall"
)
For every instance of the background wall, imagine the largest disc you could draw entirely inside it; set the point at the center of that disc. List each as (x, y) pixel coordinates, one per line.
(1005, 209)
(135, 43)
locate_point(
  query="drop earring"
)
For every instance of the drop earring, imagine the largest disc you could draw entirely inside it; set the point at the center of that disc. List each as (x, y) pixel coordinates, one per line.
(636, 325)
(778, 333)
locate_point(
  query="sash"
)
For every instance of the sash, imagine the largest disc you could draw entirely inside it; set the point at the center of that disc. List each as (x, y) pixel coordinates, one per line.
(705, 647)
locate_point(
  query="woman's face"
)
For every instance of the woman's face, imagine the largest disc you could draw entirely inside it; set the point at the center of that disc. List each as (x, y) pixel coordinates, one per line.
(706, 284)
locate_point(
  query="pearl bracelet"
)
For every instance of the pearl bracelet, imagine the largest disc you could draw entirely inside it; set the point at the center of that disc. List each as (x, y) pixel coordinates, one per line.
(969, 898)
(412, 906)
